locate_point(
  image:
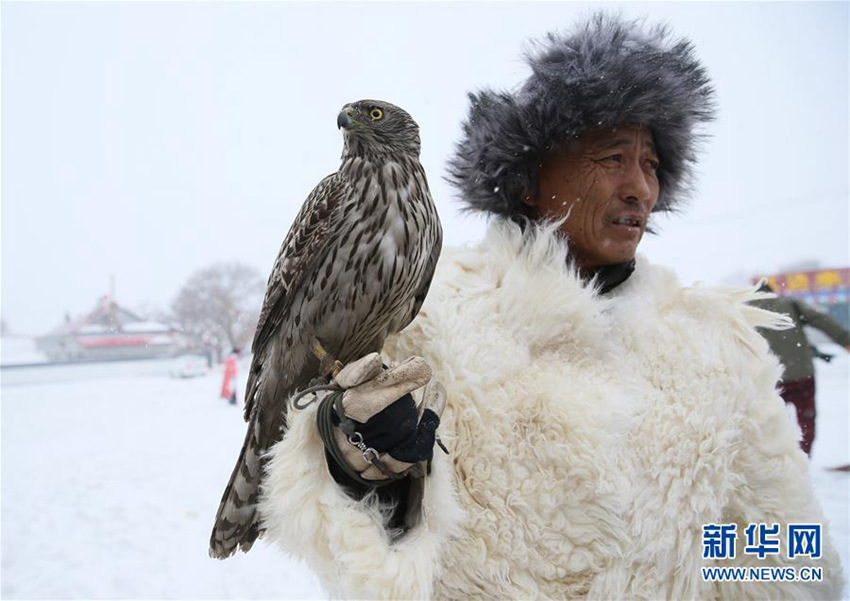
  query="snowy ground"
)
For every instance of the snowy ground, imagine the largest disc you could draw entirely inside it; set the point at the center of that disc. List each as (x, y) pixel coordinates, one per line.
(20, 350)
(111, 474)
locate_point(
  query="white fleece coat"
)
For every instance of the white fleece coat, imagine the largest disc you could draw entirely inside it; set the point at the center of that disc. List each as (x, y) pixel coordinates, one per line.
(591, 438)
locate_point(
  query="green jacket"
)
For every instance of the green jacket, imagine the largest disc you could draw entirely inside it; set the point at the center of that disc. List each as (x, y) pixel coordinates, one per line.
(792, 346)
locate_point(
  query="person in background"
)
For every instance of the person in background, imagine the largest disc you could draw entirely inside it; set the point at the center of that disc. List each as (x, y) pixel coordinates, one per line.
(793, 350)
(819, 354)
(228, 384)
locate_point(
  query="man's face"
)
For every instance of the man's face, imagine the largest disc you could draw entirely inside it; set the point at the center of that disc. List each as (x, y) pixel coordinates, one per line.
(606, 183)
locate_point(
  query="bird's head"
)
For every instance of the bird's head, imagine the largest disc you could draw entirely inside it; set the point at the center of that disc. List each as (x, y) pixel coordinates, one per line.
(375, 127)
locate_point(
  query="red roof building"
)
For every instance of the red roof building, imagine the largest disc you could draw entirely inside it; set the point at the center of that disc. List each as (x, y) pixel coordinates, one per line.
(110, 332)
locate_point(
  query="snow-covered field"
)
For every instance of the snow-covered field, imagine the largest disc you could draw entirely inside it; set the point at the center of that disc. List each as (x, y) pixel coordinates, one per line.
(111, 475)
(20, 350)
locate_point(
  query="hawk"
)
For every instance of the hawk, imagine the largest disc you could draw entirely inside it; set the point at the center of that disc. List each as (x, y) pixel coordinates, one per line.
(354, 268)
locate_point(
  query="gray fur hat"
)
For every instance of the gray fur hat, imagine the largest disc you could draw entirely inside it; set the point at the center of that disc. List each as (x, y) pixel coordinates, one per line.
(606, 72)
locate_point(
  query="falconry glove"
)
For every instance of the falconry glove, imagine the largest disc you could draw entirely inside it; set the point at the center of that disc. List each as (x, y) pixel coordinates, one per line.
(373, 428)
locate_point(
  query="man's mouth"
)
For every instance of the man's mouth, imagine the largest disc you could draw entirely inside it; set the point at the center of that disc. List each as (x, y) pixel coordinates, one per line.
(629, 221)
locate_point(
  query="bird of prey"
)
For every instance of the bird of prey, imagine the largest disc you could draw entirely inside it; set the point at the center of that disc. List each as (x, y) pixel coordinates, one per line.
(353, 269)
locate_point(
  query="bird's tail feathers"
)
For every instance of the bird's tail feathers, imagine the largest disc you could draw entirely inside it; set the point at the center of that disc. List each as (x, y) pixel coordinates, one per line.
(236, 522)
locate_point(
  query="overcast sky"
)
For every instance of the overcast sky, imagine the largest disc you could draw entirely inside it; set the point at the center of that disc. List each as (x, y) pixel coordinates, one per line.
(148, 140)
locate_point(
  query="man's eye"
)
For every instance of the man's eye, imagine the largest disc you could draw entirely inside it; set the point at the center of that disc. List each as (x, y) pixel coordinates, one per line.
(653, 164)
(614, 158)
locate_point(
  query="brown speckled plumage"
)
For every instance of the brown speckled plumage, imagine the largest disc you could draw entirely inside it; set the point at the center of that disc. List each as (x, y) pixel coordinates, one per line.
(354, 268)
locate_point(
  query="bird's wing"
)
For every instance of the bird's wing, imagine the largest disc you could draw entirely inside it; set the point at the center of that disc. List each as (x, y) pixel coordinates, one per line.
(301, 250)
(237, 523)
(425, 282)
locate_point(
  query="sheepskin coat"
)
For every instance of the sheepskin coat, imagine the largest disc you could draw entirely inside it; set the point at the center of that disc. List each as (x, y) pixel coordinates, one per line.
(591, 438)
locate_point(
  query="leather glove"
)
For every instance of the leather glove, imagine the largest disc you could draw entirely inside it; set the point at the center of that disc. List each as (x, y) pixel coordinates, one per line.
(379, 430)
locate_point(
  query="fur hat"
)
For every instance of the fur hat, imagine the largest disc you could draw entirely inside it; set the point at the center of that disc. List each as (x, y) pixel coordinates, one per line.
(606, 72)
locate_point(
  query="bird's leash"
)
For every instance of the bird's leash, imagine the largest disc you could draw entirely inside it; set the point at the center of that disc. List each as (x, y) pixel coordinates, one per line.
(325, 422)
(327, 366)
(332, 404)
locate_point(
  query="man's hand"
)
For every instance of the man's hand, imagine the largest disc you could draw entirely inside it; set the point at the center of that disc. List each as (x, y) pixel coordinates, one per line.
(384, 433)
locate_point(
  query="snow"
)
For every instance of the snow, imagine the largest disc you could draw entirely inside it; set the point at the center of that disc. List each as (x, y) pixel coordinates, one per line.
(832, 447)
(18, 350)
(112, 473)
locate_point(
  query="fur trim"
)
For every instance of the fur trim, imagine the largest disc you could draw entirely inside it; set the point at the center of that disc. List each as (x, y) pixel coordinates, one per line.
(592, 437)
(606, 72)
(345, 542)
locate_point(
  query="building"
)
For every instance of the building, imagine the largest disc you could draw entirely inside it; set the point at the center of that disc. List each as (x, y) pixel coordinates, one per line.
(828, 289)
(110, 332)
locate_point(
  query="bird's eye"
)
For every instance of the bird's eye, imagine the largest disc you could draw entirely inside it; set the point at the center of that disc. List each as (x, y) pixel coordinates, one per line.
(376, 114)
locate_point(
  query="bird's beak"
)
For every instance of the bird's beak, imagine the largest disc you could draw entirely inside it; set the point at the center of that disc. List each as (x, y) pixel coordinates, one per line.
(344, 120)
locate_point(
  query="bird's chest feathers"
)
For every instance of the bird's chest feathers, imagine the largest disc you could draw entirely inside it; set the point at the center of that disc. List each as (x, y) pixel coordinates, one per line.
(408, 236)
(392, 209)
(387, 240)
(380, 256)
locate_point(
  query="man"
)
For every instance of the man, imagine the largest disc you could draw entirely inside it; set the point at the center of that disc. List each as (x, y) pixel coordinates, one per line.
(792, 348)
(598, 414)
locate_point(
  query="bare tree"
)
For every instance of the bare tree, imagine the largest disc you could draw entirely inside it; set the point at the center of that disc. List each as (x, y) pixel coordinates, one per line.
(219, 306)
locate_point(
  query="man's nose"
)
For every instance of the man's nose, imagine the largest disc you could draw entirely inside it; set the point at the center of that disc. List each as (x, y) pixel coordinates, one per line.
(635, 185)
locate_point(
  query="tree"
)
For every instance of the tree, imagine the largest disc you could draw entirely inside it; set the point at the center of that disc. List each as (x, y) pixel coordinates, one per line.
(219, 306)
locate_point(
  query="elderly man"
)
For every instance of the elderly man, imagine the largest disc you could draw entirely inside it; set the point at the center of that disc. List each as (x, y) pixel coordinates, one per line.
(603, 421)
